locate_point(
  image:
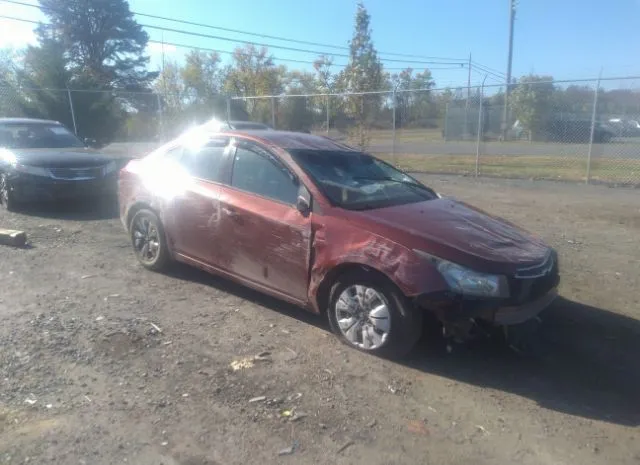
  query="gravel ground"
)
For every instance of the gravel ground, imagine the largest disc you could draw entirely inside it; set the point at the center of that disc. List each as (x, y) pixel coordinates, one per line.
(102, 362)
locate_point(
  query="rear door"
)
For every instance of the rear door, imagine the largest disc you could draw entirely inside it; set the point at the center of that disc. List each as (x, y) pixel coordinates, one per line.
(265, 238)
(195, 210)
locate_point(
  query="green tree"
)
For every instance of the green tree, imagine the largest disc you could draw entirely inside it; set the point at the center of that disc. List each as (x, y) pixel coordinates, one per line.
(330, 83)
(45, 76)
(171, 86)
(531, 102)
(414, 108)
(298, 113)
(252, 73)
(202, 76)
(363, 73)
(10, 96)
(88, 45)
(101, 40)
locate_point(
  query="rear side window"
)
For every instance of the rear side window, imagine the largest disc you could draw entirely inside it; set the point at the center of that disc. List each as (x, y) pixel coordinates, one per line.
(258, 174)
(205, 162)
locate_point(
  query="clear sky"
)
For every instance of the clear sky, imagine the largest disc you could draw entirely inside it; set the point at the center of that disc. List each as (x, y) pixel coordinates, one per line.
(564, 38)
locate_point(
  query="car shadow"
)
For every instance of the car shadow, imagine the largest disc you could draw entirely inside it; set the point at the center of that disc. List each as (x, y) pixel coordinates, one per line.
(192, 274)
(590, 367)
(77, 210)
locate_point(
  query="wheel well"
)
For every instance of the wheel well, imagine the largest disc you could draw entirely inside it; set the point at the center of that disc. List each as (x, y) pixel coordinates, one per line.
(135, 208)
(324, 290)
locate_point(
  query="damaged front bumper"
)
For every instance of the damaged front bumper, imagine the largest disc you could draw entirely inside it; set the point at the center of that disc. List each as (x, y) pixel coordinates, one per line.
(530, 297)
(515, 315)
(452, 309)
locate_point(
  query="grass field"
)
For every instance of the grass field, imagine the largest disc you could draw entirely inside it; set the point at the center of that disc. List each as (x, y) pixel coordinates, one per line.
(615, 171)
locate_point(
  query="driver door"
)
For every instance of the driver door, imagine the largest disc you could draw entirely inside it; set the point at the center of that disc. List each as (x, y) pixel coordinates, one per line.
(265, 238)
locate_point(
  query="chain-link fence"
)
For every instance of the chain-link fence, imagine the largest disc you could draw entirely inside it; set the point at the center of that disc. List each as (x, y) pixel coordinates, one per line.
(581, 131)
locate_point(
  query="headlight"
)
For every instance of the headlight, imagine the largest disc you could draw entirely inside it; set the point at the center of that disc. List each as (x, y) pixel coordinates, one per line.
(34, 170)
(109, 168)
(469, 282)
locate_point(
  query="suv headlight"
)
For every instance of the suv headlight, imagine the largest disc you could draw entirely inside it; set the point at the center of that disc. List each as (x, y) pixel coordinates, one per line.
(468, 282)
(34, 170)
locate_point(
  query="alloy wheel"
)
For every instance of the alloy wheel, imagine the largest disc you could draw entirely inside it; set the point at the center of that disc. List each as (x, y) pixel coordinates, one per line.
(4, 190)
(146, 239)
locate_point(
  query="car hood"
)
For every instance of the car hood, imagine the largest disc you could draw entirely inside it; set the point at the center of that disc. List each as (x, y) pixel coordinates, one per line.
(458, 232)
(61, 158)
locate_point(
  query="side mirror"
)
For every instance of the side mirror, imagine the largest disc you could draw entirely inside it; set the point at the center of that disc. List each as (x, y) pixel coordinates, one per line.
(303, 205)
(90, 142)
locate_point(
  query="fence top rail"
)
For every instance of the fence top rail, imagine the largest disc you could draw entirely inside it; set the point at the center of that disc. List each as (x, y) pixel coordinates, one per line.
(440, 89)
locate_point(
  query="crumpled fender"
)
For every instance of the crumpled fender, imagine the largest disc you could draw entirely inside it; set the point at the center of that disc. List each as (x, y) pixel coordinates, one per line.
(337, 243)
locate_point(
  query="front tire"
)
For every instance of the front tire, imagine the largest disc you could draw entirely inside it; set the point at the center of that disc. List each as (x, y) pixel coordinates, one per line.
(7, 197)
(369, 313)
(149, 241)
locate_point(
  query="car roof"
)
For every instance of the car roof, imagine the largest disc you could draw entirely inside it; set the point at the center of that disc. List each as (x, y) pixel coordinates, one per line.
(290, 140)
(249, 123)
(27, 120)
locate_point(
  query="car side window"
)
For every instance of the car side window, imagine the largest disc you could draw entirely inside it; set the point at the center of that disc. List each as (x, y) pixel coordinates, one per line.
(258, 174)
(205, 162)
(174, 153)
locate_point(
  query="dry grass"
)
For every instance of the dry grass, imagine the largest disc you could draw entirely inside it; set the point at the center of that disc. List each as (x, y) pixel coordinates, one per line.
(618, 171)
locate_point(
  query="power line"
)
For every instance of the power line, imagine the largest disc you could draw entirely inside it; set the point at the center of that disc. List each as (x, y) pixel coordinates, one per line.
(255, 34)
(228, 52)
(292, 49)
(493, 76)
(499, 80)
(489, 70)
(339, 65)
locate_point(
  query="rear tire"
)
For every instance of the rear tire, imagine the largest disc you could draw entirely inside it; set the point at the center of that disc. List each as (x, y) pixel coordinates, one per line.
(367, 312)
(149, 241)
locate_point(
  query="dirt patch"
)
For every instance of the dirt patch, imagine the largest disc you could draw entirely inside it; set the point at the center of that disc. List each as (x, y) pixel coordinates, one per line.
(103, 362)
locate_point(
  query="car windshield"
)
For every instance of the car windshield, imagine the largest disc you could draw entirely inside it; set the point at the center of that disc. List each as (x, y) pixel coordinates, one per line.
(357, 181)
(26, 135)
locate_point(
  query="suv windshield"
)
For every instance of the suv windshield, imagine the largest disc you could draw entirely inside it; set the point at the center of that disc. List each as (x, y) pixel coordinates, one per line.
(37, 136)
(357, 181)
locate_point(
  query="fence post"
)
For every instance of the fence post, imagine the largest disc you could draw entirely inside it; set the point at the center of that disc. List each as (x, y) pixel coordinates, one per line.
(593, 126)
(479, 131)
(328, 113)
(228, 109)
(73, 114)
(446, 121)
(393, 143)
(160, 116)
(273, 112)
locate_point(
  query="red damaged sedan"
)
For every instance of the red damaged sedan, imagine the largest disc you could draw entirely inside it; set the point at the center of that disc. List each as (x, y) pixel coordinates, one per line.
(335, 231)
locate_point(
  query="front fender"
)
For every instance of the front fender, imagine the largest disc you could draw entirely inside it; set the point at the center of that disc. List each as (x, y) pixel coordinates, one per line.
(336, 246)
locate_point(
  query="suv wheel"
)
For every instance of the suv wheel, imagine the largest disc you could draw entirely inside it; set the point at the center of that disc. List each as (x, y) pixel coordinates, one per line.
(369, 313)
(7, 198)
(148, 240)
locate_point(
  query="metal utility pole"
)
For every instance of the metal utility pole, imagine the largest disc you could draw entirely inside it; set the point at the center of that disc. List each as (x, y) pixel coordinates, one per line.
(466, 106)
(480, 131)
(505, 111)
(593, 125)
(73, 113)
